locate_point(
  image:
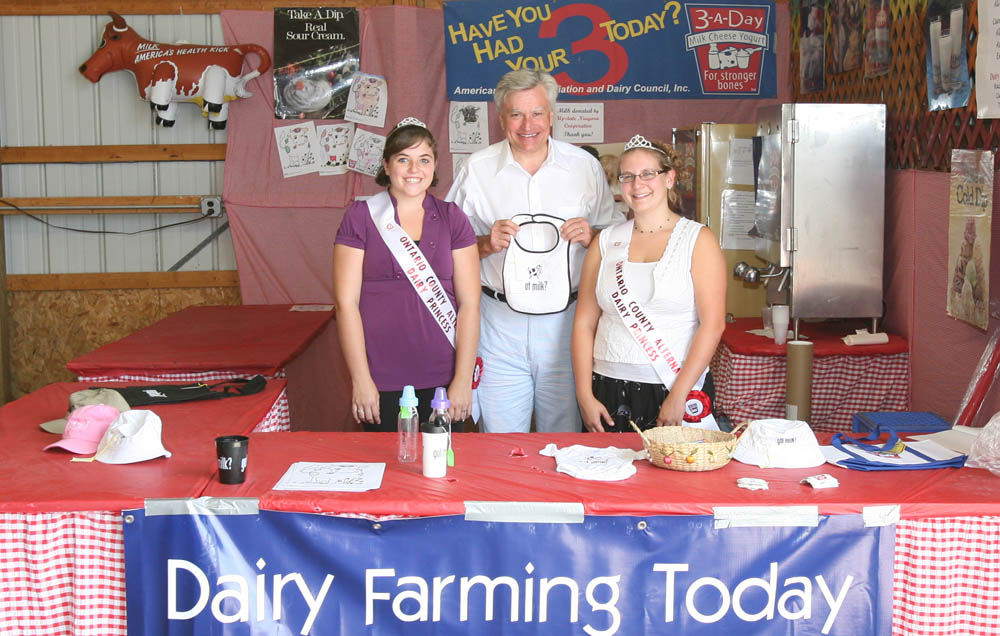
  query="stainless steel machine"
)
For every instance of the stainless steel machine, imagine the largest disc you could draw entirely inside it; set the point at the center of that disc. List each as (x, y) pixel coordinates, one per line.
(820, 207)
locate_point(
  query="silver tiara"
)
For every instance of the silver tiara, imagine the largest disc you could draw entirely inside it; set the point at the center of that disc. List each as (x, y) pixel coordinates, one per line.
(411, 121)
(641, 142)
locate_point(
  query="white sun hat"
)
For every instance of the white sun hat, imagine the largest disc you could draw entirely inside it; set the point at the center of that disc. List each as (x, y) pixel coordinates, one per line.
(134, 436)
(779, 443)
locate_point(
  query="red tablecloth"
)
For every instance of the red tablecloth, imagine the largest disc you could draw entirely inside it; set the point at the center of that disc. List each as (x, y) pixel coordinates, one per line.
(209, 344)
(39, 481)
(489, 467)
(749, 372)
(825, 336)
(245, 339)
(62, 561)
(946, 565)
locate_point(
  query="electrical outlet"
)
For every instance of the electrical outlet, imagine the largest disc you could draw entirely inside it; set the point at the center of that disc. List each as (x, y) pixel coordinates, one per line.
(211, 206)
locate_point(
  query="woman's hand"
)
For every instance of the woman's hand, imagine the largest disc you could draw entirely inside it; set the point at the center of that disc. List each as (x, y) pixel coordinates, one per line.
(672, 410)
(594, 414)
(364, 402)
(460, 396)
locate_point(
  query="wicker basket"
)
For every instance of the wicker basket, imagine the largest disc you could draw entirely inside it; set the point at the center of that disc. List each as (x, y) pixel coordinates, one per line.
(688, 449)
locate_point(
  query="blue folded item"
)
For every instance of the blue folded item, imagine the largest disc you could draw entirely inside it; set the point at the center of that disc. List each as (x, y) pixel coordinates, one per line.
(899, 422)
(858, 462)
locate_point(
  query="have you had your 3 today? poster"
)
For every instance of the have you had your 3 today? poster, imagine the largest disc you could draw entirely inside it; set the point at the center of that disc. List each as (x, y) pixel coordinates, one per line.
(614, 49)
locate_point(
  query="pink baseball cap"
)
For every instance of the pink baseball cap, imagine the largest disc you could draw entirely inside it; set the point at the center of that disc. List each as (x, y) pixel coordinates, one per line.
(85, 427)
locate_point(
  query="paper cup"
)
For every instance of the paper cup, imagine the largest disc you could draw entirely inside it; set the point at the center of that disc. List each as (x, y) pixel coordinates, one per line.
(779, 318)
(435, 454)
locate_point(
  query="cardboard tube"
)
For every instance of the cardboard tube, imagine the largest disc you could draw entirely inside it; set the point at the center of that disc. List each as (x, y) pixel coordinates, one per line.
(798, 380)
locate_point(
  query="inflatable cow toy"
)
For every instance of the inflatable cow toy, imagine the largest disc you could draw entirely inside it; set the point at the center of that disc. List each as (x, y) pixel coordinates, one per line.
(170, 73)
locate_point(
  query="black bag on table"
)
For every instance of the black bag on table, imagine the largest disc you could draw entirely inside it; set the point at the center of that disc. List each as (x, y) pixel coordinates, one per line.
(139, 396)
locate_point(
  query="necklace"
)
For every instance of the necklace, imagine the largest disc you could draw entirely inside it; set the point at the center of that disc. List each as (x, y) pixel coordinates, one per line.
(642, 231)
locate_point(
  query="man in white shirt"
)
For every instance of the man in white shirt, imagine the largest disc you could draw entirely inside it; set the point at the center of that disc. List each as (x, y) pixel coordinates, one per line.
(548, 198)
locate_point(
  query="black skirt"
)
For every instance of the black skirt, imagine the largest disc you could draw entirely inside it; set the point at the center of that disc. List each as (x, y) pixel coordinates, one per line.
(638, 401)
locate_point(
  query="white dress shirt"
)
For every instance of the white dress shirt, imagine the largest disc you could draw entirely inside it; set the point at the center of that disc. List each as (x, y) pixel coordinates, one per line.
(570, 183)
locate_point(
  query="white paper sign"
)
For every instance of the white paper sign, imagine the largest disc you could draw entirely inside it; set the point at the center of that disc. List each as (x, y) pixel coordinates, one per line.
(740, 162)
(738, 210)
(468, 126)
(332, 476)
(579, 123)
(988, 61)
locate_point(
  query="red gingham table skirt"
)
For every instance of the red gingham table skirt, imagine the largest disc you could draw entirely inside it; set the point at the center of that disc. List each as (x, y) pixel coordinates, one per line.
(277, 419)
(753, 387)
(64, 573)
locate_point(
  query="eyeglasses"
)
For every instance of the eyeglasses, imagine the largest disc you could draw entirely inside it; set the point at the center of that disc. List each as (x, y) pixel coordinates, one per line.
(645, 175)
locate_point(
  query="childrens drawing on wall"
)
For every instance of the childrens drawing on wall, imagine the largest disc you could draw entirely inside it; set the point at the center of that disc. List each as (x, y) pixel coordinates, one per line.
(298, 149)
(468, 126)
(366, 152)
(335, 140)
(366, 103)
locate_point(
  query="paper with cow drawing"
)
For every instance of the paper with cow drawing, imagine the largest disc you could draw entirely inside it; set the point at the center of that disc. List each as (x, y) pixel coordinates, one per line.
(368, 100)
(298, 149)
(332, 476)
(468, 126)
(335, 140)
(366, 152)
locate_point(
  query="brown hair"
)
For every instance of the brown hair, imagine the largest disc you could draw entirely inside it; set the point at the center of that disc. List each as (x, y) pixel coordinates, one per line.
(400, 139)
(667, 158)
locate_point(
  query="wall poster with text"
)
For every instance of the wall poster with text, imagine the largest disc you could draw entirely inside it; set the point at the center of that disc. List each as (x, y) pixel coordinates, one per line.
(614, 49)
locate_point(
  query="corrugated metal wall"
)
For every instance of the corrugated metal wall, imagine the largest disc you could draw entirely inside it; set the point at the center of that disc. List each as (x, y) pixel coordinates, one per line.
(45, 101)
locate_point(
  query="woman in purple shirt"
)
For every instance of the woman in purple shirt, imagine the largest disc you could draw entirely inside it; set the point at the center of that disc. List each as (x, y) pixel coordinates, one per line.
(389, 336)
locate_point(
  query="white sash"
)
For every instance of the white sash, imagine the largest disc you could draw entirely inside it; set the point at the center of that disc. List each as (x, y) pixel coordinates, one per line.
(649, 338)
(537, 281)
(421, 275)
(418, 271)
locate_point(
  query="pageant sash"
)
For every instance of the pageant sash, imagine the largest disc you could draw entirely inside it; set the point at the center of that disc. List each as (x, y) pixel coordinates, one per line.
(421, 275)
(697, 408)
(418, 271)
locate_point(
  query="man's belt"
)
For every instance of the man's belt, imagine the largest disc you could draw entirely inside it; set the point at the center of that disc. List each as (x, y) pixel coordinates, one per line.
(492, 293)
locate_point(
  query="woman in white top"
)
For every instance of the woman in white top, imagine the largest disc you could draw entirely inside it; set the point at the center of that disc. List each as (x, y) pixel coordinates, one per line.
(671, 285)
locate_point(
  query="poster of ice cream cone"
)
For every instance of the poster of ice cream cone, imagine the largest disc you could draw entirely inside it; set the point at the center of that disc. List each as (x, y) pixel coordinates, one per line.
(970, 219)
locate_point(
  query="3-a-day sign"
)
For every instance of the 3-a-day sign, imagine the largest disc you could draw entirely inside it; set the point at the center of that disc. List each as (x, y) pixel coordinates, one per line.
(614, 49)
(296, 573)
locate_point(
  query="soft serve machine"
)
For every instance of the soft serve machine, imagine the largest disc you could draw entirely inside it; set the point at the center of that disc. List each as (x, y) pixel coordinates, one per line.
(820, 204)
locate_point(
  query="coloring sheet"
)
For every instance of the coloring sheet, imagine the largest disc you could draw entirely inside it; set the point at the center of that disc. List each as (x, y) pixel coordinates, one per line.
(332, 476)
(298, 149)
(468, 126)
(335, 140)
(367, 101)
(366, 152)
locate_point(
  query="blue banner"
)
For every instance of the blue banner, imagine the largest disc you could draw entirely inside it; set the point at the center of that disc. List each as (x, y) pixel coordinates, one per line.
(297, 573)
(614, 49)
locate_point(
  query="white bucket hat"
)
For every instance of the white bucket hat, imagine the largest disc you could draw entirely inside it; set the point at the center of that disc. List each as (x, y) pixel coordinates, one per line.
(778, 443)
(133, 437)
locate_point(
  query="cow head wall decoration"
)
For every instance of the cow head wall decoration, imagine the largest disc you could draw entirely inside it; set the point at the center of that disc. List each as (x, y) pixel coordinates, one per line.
(168, 74)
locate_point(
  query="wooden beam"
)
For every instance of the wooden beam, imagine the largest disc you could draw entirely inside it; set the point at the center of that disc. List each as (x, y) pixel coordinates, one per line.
(102, 205)
(122, 280)
(162, 7)
(112, 154)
